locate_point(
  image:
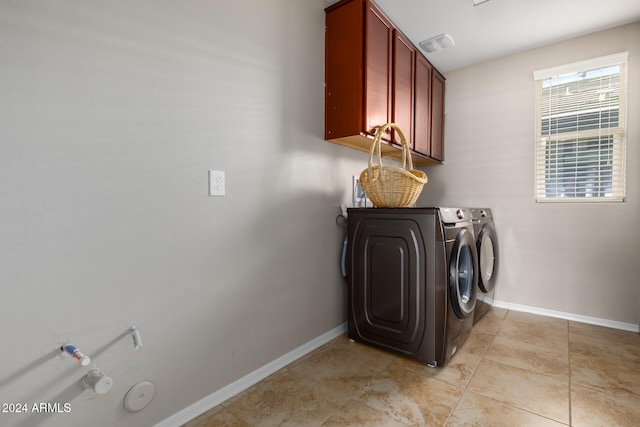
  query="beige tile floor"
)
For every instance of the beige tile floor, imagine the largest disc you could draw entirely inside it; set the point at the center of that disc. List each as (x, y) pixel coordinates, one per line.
(516, 369)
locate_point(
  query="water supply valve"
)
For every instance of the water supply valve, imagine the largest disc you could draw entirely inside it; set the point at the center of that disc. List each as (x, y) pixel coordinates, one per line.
(83, 359)
(97, 381)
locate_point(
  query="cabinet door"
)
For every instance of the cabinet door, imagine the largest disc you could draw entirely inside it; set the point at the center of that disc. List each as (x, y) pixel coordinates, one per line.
(437, 116)
(422, 132)
(378, 69)
(344, 73)
(403, 84)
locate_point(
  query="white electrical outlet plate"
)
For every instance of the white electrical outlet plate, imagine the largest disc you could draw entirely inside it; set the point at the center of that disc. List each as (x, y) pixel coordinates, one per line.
(216, 183)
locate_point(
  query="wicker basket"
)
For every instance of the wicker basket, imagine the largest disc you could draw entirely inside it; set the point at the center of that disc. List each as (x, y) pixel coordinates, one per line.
(391, 186)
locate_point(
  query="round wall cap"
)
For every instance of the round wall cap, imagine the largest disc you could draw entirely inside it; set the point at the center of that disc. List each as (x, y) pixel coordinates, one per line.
(139, 396)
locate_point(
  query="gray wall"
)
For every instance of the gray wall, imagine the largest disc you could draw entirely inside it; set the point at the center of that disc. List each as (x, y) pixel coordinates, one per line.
(111, 114)
(573, 258)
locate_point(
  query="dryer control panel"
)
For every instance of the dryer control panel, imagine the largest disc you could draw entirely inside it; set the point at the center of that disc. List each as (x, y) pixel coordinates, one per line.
(454, 215)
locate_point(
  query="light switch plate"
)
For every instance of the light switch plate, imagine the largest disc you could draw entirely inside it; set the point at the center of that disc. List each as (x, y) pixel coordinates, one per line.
(216, 183)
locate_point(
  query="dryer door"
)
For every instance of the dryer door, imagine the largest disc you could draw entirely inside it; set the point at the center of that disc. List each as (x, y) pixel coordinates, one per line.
(487, 248)
(462, 274)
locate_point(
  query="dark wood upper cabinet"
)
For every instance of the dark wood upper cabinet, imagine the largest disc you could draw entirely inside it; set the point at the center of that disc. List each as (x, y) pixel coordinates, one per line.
(375, 75)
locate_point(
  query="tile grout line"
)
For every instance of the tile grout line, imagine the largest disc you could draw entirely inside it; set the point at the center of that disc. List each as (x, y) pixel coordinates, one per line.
(568, 379)
(355, 394)
(508, 404)
(466, 386)
(569, 365)
(374, 376)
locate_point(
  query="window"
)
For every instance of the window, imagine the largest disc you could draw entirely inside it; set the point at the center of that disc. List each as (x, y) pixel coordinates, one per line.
(581, 131)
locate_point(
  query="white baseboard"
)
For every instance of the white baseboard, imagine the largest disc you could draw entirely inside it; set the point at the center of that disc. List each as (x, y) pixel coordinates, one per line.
(217, 397)
(568, 316)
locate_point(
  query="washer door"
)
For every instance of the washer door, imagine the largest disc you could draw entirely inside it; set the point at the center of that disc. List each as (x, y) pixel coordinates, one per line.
(462, 274)
(487, 248)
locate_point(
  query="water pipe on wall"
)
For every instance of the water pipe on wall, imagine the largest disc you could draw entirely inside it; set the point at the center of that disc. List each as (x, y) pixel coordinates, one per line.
(135, 335)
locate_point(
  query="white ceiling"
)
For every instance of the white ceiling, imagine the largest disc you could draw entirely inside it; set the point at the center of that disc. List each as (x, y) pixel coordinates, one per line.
(501, 27)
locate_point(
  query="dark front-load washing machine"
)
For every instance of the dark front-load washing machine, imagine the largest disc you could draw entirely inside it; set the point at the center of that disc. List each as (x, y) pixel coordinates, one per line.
(412, 282)
(487, 248)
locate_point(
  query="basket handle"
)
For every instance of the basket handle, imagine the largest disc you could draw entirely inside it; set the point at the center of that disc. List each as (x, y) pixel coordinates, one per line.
(377, 143)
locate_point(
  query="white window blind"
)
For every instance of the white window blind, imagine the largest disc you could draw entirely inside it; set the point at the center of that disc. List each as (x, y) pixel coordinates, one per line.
(581, 131)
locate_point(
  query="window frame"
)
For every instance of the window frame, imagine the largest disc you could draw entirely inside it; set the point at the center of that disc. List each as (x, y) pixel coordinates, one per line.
(618, 134)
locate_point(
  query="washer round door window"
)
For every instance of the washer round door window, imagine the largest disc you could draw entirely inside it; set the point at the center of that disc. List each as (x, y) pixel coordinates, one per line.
(462, 274)
(488, 258)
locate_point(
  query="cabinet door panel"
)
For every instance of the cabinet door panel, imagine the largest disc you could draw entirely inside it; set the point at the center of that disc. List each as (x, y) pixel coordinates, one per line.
(437, 116)
(378, 69)
(422, 132)
(403, 66)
